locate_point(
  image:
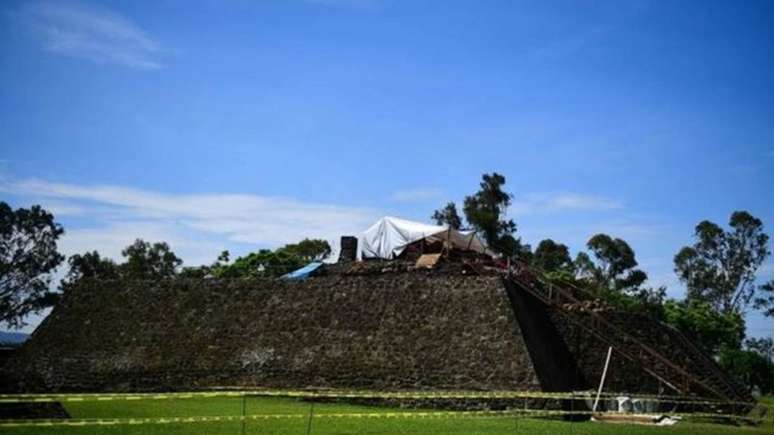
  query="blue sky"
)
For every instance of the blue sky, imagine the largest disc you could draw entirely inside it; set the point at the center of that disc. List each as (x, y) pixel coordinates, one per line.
(239, 124)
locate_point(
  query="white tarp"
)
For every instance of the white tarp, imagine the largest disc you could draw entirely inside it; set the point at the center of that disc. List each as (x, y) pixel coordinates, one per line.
(389, 236)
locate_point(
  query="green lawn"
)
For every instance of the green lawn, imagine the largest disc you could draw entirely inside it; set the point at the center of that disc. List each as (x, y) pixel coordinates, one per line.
(336, 425)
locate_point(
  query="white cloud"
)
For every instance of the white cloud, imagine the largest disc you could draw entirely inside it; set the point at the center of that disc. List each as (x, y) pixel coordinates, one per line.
(197, 226)
(560, 202)
(111, 239)
(92, 33)
(415, 195)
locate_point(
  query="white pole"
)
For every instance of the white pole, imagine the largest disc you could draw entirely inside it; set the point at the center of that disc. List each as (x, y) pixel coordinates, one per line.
(602, 381)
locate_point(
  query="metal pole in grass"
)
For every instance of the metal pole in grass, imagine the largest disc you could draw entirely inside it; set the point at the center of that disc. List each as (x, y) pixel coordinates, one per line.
(309, 422)
(244, 398)
(572, 412)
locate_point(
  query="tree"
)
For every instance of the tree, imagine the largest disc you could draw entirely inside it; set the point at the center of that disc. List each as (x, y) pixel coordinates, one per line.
(486, 212)
(149, 261)
(750, 368)
(448, 216)
(612, 274)
(719, 268)
(308, 250)
(264, 263)
(552, 257)
(615, 264)
(712, 331)
(28, 254)
(205, 271)
(88, 266)
(763, 346)
(764, 300)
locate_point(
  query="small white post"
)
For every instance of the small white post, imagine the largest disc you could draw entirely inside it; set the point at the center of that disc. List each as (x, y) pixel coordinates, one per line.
(602, 381)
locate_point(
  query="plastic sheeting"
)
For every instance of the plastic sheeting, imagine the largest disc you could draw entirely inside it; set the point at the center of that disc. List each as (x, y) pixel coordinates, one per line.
(304, 272)
(390, 236)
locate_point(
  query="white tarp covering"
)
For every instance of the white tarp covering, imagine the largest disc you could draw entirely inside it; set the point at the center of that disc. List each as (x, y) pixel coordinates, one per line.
(389, 236)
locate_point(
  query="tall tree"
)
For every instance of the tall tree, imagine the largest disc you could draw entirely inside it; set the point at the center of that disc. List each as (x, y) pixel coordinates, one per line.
(613, 274)
(88, 266)
(552, 257)
(149, 261)
(719, 268)
(448, 216)
(615, 265)
(28, 255)
(486, 212)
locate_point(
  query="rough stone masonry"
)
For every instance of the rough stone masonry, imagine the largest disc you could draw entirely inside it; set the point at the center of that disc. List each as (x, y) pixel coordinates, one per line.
(404, 330)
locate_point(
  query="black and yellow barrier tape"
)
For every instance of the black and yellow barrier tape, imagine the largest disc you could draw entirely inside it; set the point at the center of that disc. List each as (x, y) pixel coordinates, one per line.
(530, 413)
(353, 394)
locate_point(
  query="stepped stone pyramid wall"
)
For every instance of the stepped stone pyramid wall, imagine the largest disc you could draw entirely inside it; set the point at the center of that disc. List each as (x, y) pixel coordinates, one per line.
(392, 331)
(379, 327)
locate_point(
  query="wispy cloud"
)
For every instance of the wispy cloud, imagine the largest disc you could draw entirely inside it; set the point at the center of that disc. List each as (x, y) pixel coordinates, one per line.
(415, 195)
(200, 223)
(92, 33)
(560, 202)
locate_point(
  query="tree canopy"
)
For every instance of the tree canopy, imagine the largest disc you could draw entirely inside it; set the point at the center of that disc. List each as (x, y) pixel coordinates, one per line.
(764, 300)
(145, 260)
(719, 268)
(486, 212)
(613, 274)
(614, 264)
(308, 250)
(710, 330)
(89, 266)
(448, 216)
(263, 263)
(28, 255)
(267, 263)
(550, 256)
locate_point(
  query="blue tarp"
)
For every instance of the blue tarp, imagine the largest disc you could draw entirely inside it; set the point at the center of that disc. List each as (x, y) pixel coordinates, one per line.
(304, 272)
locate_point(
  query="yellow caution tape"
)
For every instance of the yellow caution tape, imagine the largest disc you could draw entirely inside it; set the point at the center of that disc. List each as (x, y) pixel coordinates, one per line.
(372, 415)
(351, 394)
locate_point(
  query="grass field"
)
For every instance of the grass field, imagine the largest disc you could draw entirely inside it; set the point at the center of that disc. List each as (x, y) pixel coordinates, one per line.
(340, 425)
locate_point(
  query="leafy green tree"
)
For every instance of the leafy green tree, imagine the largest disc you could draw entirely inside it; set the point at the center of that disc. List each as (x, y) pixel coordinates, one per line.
(448, 216)
(750, 368)
(707, 328)
(264, 263)
(615, 265)
(88, 266)
(764, 346)
(308, 250)
(206, 271)
(613, 275)
(552, 257)
(764, 300)
(486, 212)
(719, 268)
(28, 255)
(149, 261)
